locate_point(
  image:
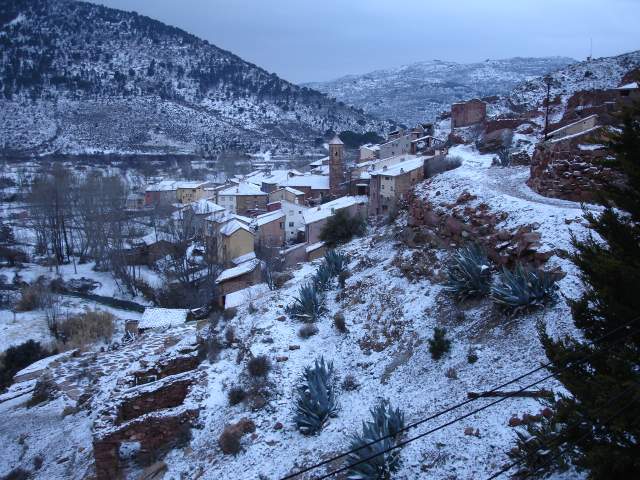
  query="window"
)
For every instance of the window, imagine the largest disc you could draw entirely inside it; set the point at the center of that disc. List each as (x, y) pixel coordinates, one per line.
(291, 224)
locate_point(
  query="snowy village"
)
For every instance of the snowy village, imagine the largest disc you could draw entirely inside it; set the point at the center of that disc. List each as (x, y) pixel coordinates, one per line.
(207, 271)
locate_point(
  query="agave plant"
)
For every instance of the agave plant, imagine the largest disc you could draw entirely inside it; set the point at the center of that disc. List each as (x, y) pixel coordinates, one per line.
(336, 262)
(524, 288)
(308, 306)
(316, 398)
(469, 274)
(372, 463)
(322, 278)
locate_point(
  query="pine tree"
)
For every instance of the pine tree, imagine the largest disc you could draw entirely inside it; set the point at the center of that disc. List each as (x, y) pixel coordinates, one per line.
(601, 420)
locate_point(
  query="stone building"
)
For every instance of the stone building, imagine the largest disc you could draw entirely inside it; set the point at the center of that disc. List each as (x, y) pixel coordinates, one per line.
(270, 229)
(187, 192)
(390, 184)
(336, 167)
(464, 114)
(243, 199)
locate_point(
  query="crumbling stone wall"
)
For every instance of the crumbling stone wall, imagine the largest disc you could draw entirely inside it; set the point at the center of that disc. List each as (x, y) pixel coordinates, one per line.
(570, 168)
(156, 435)
(167, 396)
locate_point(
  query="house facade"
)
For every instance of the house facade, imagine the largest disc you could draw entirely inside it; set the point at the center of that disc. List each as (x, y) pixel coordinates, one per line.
(287, 194)
(390, 184)
(161, 193)
(243, 198)
(235, 239)
(270, 229)
(187, 192)
(294, 221)
(316, 217)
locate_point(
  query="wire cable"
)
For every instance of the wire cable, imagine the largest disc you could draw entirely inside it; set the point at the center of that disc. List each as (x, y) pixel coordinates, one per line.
(454, 407)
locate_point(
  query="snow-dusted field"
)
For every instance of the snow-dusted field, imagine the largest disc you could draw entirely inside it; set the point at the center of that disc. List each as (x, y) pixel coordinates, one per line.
(389, 319)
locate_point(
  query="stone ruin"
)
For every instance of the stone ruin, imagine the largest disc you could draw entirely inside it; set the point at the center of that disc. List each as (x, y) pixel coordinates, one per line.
(151, 413)
(143, 396)
(570, 168)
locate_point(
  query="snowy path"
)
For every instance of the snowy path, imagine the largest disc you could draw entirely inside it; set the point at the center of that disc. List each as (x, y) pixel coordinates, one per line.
(509, 181)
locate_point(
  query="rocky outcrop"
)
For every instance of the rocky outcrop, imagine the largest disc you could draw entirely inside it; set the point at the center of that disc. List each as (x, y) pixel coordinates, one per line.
(451, 225)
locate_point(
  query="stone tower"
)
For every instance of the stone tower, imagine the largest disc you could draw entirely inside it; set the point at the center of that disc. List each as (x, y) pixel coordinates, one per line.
(336, 167)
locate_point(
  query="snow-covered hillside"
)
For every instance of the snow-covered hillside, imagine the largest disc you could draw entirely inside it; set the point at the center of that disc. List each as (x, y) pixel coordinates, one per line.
(81, 78)
(597, 74)
(391, 302)
(420, 91)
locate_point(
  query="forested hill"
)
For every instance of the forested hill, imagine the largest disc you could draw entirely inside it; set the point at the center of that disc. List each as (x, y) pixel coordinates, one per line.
(80, 78)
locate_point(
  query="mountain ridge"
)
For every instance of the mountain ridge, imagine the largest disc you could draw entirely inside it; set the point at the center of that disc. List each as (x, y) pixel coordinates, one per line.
(77, 77)
(420, 91)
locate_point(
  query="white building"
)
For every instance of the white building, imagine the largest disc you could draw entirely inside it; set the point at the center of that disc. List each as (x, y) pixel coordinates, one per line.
(294, 219)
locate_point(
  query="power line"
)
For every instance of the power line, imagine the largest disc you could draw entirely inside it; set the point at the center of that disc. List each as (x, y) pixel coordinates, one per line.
(444, 425)
(451, 408)
(582, 437)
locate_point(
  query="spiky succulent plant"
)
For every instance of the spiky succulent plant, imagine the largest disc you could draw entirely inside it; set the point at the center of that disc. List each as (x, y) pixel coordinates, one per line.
(469, 273)
(523, 288)
(336, 262)
(316, 398)
(322, 278)
(368, 460)
(308, 306)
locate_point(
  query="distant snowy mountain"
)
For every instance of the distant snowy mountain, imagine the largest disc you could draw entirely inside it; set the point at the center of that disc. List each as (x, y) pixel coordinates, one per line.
(420, 91)
(82, 78)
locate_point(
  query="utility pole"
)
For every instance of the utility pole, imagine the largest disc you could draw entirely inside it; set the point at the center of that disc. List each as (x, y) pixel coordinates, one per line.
(547, 80)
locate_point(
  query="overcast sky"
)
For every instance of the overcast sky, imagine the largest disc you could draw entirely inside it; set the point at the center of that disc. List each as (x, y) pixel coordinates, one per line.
(307, 40)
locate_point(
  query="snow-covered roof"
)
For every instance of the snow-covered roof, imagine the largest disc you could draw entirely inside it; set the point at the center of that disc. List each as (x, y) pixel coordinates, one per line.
(240, 297)
(550, 134)
(238, 271)
(400, 168)
(243, 188)
(232, 226)
(243, 258)
(190, 184)
(314, 246)
(425, 138)
(163, 186)
(322, 170)
(268, 217)
(574, 135)
(162, 317)
(336, 141)
(276, 177)
(328, 209)
(314, 182)
(319, 162)
(293, 191)
(371, 146)
(154, 237)
(204, 206)
(629, 86)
